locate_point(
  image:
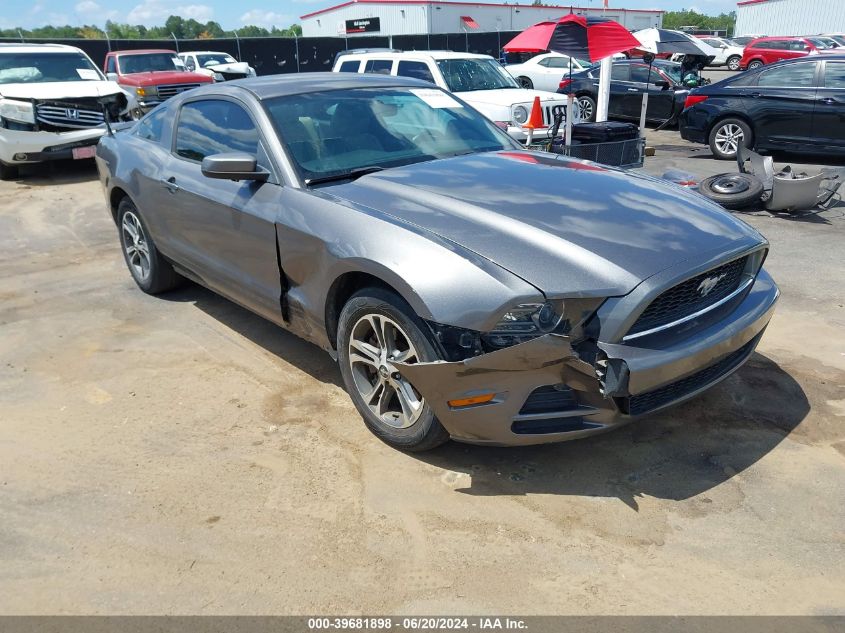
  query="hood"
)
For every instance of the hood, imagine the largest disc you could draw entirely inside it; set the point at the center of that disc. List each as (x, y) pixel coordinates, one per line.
(236, 67)
(568, 227)
(60, 90)
(508, 96)
(161, 77)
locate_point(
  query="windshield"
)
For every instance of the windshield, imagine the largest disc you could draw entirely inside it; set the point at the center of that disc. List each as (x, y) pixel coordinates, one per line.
(821, 44)
(46, 67)
(214, 59)
(335, 132)
(463, 75)
(149, 62)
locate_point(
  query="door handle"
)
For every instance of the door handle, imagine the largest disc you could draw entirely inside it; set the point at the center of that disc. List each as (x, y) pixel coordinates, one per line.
(754, 95)
(828, 100)
(633, 90)
(170, 184)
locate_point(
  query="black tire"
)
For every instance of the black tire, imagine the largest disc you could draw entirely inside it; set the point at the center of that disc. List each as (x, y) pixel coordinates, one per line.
(732, 191)
(159, 275)
(8, 172)
(733, 62)
(525, 82)
(755, 64)
(588, 104)
(726, 135)
(425, 431)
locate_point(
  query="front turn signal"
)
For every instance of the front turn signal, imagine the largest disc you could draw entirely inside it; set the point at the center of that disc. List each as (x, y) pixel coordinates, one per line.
(466, 402)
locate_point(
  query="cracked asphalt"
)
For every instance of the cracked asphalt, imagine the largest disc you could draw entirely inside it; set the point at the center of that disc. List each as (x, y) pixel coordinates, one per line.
(179, 455)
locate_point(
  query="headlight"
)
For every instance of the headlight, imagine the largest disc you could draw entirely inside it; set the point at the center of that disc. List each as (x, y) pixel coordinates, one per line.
(218, 77)
(530, 320)
(21, 111)
(251, 71)
(520, 114)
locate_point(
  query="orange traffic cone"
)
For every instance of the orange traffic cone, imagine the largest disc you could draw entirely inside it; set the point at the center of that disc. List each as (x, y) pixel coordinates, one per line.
(535, 120)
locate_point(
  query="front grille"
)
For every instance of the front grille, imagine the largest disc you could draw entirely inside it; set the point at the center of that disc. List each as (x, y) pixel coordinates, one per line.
(69, 116)
(686, 298)
(230, 76)
(651, 400)
(171, 90)
(549, 112)
(549, 399)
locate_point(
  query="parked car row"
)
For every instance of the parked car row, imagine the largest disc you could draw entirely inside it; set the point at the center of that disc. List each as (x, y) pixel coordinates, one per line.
(55, 103)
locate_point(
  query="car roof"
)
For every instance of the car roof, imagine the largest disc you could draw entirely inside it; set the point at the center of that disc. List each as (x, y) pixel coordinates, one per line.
(143, 50)
(432, 54)
(41, 48)
(205, 53)
(271, 86)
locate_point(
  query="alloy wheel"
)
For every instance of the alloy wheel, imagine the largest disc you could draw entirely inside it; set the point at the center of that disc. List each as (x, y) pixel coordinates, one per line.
(586, 108)
(728, 137)
(135, 246)
(375, 344)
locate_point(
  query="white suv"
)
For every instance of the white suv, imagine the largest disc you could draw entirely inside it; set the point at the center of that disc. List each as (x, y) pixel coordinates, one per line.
(53, 104)
(479, 80)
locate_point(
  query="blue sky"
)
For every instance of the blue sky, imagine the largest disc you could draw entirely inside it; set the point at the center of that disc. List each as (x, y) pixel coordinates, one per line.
(235, 13)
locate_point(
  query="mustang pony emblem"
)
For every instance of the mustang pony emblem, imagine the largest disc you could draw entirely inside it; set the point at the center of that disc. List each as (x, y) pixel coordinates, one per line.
(707, 285)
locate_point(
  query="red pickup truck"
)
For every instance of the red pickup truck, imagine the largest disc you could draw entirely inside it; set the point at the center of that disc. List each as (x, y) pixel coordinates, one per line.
(152, 75)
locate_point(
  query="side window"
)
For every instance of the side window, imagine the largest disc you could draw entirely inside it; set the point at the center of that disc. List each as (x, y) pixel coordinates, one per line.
(798, 45)
(214, 126)
(558, 62)
(620, 72)
(189, 63)
(789, 76)
(111, 67)
(834, 75)
(150, 127)
(379, 66)
(350, 66)
(640, 74)
(764, 45)
(545, 62)
(417, 70)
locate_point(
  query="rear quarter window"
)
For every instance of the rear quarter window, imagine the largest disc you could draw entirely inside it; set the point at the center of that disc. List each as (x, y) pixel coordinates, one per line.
(379, 66)
(150, 128)
(349, 66)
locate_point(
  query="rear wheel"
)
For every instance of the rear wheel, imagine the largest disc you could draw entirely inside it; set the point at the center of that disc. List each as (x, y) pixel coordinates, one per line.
(727, 135)
(378, 329)
(525, 82)
(148, 268)
(587, 108)
(733, 62)
(8, 172)
(755, 64)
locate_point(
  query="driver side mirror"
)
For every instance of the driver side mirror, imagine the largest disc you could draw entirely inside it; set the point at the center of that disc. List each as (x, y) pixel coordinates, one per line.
(233, 166)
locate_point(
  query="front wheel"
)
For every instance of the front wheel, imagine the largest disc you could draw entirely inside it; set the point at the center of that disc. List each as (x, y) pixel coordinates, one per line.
(378, 329)
(726, 137)
(733, 62)
(587, 108)
(525, 82)
(8, 172)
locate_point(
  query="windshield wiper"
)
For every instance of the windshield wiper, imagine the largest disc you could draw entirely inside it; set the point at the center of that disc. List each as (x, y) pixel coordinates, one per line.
(352, 174)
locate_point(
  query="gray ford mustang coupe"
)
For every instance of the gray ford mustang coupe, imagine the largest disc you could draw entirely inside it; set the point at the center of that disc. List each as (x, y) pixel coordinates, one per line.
(468, 288)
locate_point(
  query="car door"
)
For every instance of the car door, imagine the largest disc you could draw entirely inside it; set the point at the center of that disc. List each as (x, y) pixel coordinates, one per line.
(226, 229)
(623, 92)
(829, 116)
(660, 99)
(782, 102)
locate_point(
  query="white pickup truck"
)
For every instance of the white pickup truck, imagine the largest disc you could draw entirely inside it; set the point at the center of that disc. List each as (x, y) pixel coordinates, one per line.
(479, 80)
(54, 103)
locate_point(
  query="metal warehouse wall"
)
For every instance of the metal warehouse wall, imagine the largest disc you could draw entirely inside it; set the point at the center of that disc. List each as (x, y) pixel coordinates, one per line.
(446, 18)
(791, 17)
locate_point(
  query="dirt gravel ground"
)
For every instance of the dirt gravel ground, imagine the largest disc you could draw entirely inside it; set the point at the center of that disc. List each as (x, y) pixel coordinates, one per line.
(178, 455)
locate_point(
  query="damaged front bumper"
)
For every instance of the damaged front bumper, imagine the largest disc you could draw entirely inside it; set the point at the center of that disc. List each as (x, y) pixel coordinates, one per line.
(545, 390)
(19, 146)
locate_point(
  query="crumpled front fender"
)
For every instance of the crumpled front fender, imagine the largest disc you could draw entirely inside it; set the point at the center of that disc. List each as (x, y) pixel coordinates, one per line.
(512, 374)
